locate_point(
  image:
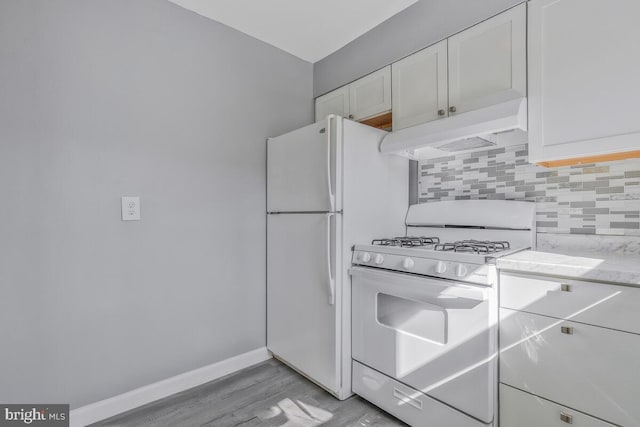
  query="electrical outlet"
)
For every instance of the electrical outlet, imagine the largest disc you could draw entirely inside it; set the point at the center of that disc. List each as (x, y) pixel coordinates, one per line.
(130, 208)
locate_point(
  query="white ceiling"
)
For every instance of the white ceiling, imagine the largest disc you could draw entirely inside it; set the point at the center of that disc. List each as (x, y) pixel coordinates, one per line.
(308, 29)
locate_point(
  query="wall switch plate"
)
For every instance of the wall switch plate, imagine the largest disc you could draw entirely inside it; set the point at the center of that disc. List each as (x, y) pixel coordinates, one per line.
(130, 208)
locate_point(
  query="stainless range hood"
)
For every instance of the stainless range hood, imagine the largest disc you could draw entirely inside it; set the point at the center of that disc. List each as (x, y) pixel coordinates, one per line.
(496, 126)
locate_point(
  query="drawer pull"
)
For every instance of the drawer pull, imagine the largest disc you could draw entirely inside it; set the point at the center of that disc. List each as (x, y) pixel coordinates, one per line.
(565, 288)
(405, 398)
(567, 418)
(568, 330)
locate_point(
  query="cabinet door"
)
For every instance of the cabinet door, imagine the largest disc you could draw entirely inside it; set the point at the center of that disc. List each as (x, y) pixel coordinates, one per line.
(370, 95)
(335, 102)
(583, 78)
(591, 369)
(419, 87)
(488, 62)
(599, 304)
(520, 409)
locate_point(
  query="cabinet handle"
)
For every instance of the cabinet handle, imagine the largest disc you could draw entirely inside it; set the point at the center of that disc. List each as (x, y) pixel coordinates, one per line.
(453, 109)
(350, 116)
(441, 112)
(567, 418)
(565, 288)
(568, 330)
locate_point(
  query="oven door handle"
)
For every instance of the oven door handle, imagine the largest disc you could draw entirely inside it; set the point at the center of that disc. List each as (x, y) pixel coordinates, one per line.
(445, 290)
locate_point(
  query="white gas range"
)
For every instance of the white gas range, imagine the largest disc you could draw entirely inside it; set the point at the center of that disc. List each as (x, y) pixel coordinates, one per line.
(424, 311)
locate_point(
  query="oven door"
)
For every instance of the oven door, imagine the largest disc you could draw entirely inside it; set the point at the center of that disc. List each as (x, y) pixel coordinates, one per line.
(435, 335)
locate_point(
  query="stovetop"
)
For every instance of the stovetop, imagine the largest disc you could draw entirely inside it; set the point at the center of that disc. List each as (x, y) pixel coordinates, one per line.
(470, 246)
(407, 241)
(466, 260)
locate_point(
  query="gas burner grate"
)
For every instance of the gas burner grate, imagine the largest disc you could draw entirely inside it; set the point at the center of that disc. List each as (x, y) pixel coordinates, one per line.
(407, 241)
(473, 246)
(385, 242)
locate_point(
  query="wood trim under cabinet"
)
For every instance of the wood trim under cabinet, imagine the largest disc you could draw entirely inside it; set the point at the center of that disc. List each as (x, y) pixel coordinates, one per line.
(591, 159)
(383, 121)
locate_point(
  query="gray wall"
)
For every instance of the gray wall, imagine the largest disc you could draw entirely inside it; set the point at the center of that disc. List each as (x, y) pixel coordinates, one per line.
(105, 98)
(418, 26)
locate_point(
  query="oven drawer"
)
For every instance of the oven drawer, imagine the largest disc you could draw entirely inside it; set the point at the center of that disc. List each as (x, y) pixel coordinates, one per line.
(520, 409)
(404, 402)
(437, 336)
(610, 306)
(592, 369)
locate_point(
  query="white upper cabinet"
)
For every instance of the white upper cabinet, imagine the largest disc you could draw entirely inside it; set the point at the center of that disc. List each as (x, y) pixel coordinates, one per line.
(367, 97)
(420, 87)
(370, 95)
(584, 62)
(488, 62)
(479, 67)
(336, 102)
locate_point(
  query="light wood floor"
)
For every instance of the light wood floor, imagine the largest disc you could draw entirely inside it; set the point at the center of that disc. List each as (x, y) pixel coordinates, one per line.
(268, 394)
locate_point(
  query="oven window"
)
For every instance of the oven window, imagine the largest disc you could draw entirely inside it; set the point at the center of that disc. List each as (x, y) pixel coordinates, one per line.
(420, 319)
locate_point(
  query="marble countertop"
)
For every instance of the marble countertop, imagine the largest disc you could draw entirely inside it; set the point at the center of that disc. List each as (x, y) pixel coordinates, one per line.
(583, 265)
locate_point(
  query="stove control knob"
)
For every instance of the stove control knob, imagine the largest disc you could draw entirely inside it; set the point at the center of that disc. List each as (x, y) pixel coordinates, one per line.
(461, 270)
(441, 267)
(407, 264)
(365, 257)
(379, 259)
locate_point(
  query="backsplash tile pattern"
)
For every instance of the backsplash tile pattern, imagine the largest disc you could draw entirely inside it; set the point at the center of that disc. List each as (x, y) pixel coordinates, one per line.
(602, 198)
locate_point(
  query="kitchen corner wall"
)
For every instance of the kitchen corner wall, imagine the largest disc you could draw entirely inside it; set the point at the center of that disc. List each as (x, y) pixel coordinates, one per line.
(105, 98)
(599, 198)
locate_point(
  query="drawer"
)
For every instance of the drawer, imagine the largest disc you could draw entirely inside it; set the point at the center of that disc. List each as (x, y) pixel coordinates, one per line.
(406, 403)
(591, 369)
(520, 409)
(610, 306)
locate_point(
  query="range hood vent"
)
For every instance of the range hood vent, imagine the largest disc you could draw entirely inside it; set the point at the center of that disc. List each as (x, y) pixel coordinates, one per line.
(467, 144)
(499, 125)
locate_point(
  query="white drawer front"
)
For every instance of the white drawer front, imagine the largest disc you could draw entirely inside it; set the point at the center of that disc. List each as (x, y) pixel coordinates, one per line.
(591, 369)
(520, 409)
(404, 402)
(610, 306)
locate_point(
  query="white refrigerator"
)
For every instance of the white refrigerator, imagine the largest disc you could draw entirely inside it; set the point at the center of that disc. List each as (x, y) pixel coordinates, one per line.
(328, 188)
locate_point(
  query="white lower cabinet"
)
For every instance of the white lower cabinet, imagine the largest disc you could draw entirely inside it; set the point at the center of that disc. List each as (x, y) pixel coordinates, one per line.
(520, 409)
(599, 304)
(592, 369)
(569, 352)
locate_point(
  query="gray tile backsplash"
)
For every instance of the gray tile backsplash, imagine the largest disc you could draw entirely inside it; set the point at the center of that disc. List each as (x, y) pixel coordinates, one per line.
(602, 198)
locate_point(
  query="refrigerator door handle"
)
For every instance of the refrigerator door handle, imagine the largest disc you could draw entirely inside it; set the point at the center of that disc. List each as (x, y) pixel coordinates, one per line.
(332, 282)
(331, 195)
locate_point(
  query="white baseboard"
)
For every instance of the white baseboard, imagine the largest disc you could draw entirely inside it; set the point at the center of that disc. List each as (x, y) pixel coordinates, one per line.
(103, 409)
